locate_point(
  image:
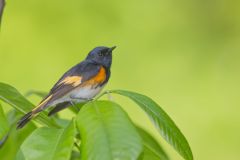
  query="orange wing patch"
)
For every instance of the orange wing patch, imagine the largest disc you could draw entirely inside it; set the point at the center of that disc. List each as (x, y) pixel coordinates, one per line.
(76, 80)
(46, 100)
(73, 80)
(42, 103)
(98, 79)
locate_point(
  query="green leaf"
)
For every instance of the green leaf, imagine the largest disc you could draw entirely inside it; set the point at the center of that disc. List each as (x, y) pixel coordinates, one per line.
(15, 137)
(48, 144)
(162, 121)
(75, 155)
(4, 127)
(11, 96)
(148, 155)
(151, 147)
(107, 133)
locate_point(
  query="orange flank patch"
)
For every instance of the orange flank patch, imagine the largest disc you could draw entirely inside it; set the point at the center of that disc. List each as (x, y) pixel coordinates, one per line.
(73, 80)
(101, 76)
(98, 79)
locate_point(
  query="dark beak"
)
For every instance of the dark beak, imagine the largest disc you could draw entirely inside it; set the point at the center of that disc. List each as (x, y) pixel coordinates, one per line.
(112, 48)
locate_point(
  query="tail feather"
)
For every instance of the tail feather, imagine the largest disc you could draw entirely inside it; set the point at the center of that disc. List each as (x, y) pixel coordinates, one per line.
(24, 120)
(27, 117)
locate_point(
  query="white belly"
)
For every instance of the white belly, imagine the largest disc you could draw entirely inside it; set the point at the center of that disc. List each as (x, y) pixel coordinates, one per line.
(80, 94)
(85, 92)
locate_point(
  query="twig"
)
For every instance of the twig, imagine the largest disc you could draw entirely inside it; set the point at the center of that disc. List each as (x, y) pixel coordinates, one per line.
(2, 4)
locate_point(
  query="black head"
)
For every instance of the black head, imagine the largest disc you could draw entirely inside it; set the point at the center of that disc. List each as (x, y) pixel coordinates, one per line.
(101, 55)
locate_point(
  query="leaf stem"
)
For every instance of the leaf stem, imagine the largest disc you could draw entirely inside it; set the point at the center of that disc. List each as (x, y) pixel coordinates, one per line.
(102, 94)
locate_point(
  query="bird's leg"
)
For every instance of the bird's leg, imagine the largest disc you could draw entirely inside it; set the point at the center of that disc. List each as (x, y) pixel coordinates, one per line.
(73, 104)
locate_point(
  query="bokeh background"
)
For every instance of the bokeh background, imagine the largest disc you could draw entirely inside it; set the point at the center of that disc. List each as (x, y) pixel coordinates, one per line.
(184, 54)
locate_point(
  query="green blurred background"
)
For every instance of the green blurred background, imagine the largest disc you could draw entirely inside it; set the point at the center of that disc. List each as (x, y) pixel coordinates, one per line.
(184, 54)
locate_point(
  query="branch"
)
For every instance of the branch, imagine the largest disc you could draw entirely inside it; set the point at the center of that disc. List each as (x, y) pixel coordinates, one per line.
(2, 4)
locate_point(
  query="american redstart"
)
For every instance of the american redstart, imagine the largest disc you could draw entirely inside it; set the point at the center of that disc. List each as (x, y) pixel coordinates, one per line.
(79, 84)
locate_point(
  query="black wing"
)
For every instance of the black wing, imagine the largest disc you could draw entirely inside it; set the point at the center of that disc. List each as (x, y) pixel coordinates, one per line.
(70, 80)
(84, 71)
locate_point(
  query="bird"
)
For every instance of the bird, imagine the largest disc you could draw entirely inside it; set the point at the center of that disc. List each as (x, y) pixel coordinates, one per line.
(81, 83)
